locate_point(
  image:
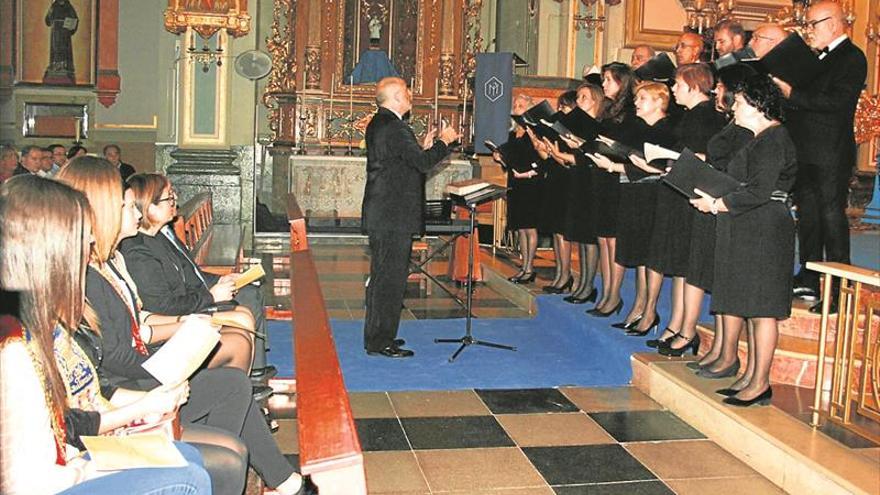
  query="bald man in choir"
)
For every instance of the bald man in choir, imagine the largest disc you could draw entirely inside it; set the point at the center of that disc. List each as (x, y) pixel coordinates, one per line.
(394, 197)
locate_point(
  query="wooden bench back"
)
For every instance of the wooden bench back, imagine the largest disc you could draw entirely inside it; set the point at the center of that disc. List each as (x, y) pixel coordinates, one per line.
(329, 449)
(193, 224)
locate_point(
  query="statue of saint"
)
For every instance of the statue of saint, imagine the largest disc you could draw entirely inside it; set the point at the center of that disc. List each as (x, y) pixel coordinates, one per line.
(63, 23)
(375, 28)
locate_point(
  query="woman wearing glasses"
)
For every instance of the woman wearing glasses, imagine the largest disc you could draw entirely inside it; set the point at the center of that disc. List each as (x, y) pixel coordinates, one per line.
(169, 284)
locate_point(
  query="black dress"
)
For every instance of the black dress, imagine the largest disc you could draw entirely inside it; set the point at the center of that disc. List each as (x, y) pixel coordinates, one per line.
(671, 238)
(580, 218)
(606, 186)
(754, 250)
(701, 261)
(638, 197)
(554, 197)
(524, 196)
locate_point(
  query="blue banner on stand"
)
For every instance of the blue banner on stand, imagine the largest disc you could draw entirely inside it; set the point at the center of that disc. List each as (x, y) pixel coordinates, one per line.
(493, 89)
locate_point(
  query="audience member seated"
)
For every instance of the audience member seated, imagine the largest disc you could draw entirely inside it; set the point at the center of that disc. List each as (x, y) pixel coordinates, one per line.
(45, 229)
(113, 154)
(76, 151)
(59, 158)
(220, 398)
(8, 162)
(31, 161)
(169, 280)
(169, 283)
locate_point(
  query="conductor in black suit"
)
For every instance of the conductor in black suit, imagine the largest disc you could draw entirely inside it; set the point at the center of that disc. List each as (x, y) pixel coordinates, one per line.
(392, 211)
(820, 120)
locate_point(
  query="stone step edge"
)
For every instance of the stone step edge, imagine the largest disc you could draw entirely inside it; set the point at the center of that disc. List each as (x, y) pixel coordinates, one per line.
(686, 402)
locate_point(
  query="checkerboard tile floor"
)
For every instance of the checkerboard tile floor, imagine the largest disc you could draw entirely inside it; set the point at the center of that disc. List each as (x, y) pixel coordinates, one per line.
(534, 441)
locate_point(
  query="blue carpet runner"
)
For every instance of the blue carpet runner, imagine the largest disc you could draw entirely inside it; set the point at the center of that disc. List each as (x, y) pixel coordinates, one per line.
(560, 346)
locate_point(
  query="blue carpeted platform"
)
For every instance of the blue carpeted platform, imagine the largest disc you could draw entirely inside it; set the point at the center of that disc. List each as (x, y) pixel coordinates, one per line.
(560, 346)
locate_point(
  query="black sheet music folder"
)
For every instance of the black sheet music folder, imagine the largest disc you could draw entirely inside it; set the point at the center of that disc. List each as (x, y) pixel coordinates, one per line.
(689, 173)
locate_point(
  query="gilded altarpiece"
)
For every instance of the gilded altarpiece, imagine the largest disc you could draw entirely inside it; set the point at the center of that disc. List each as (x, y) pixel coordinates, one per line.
(318, 118)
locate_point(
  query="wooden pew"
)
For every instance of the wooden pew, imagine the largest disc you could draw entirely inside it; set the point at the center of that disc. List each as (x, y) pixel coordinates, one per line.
(215, 248)
(329, 449)
(194, 226)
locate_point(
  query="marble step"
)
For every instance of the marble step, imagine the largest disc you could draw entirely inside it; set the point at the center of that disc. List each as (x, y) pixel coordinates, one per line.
(782, 448)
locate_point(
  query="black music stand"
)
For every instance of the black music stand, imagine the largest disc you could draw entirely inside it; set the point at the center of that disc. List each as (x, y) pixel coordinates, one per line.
(471, 201)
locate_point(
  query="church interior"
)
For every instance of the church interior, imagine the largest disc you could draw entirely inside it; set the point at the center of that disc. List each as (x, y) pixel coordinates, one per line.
(257, 112)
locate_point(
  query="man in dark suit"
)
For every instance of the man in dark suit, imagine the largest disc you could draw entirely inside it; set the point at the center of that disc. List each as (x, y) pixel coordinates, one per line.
(113, 154)
(392, 210)
(820, 120)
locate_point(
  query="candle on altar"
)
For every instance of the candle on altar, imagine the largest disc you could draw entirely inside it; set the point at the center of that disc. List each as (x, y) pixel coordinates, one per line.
(437, 103)
(76, 129)
(464, 98)
(351, 101)
(330, 114)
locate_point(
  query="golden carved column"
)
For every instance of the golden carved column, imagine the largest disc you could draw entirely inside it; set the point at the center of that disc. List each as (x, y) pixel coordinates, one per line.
(446, 69)
(312, 53)
(280, 94)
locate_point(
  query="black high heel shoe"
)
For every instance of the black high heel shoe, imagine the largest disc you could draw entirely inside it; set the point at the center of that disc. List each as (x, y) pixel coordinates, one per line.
(526, 278)
(516, 277)
(582, 300)
(615, 310)
(626, 326)
(727, 392)
(762, 399)
(731, 370)
(559, 290)
(656, 343)
(655, 324)
(693, 344)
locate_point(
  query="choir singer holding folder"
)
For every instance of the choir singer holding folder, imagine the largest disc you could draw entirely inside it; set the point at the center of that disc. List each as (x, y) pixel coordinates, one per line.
(394, 197)
(820, 118)
(755, 237)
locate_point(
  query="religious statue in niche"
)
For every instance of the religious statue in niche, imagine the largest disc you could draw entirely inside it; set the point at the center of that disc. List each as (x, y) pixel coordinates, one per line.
(380, 40)
(373, 63)
(63, 22)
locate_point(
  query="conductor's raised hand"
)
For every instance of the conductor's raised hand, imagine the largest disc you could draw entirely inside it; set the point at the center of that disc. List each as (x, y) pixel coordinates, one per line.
(429, 138)
(449, 135)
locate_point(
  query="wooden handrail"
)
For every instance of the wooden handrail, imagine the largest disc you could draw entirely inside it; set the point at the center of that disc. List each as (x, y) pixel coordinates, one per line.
(329, 449)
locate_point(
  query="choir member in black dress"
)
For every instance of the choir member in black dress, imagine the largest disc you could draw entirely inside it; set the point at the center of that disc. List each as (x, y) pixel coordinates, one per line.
(555, 203)
(638, 191)
(617, 83)
(701, 262)
(523, 199)
(671, 238)
(580, 225)
(754, 250)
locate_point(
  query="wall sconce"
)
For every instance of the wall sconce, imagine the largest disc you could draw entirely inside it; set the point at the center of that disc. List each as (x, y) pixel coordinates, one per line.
(703, 14)
(588, 23)
(207, 56)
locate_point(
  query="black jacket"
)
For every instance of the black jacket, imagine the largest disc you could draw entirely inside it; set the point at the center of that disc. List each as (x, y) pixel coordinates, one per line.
(120, 362)
(166, 280)
(394, 195)
(819, 117)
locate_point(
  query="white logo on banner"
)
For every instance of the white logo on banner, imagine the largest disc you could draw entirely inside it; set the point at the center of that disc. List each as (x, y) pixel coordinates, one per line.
(493, 89)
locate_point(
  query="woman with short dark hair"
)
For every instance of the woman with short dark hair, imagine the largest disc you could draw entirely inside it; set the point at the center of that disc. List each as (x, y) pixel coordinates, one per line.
(754, 251)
